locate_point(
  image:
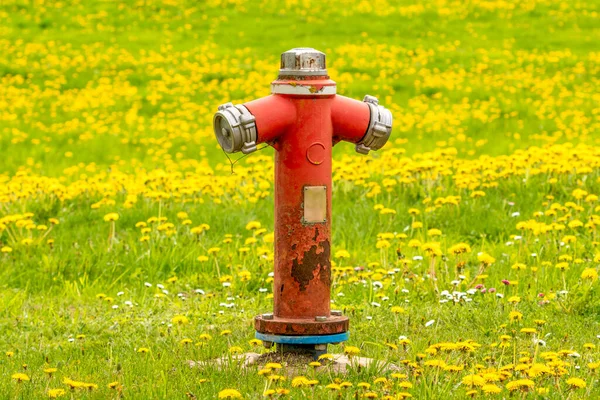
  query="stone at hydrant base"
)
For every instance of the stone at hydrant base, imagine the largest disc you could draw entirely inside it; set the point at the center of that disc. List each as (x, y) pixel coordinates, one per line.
(340, 363)
(245, 359)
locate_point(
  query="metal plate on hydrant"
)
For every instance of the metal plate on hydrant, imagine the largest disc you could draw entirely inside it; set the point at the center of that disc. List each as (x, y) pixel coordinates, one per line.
(315, 204)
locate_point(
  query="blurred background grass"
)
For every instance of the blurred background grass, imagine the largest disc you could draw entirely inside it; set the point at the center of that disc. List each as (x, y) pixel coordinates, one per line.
(425, 60)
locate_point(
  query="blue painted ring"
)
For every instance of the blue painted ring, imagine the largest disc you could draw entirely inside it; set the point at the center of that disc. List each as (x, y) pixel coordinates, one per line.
(314, 339)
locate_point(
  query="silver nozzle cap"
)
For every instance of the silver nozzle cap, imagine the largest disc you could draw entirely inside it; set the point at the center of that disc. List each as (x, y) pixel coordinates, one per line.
(235, 129)
(303, 61)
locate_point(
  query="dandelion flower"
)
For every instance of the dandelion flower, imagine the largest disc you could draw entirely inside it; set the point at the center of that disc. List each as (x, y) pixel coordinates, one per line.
(111, 217)
(589, 274)
(229, 394)
(515, 316)
(351, 351)
(299, 381)
(180, 320)
(520, 384)
(491, 389)
(20, 377)
(473, 380)
(56, 393)
(253, 225)
(576, 383)
(562, 266)
(486, 259)
(342, 254)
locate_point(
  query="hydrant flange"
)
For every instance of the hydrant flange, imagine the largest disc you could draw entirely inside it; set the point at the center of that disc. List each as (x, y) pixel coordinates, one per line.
(296, 326)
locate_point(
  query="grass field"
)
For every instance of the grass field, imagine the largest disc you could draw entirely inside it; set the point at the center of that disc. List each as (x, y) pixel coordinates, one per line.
(128, 247)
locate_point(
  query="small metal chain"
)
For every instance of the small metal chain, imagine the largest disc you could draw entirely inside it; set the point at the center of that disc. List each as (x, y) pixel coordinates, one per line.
(232, 163)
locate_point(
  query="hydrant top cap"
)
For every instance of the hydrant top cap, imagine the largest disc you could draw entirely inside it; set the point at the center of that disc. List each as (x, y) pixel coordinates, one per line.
(303, 61)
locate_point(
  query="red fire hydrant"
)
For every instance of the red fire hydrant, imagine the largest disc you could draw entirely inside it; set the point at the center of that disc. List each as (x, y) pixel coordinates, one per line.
(302, 119)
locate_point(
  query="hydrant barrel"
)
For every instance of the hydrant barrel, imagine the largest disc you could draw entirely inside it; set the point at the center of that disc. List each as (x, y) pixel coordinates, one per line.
(303, 218)
(302, 120)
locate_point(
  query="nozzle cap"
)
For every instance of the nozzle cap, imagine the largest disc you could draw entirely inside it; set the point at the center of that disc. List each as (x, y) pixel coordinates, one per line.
(235, 129)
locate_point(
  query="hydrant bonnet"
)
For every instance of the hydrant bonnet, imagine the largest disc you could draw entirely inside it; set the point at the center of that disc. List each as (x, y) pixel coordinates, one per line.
(301, 62)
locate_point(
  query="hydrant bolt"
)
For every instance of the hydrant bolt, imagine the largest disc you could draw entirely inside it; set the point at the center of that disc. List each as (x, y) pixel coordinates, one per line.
(371, 99)
(320, 318)
(267, 316)
(362, 149)
(336, 313)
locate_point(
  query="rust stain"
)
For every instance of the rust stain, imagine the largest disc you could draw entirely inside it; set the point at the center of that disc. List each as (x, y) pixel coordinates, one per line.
(315, 262)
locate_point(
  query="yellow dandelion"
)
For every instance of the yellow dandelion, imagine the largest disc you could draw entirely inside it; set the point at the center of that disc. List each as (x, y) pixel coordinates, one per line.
(180, 320)
(351, 351)
(576, 383)
(56, 393)
(20, 377)
(229, 394)
(111, 217)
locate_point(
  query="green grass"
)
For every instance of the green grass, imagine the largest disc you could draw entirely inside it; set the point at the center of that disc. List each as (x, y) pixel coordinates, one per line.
(107, 108)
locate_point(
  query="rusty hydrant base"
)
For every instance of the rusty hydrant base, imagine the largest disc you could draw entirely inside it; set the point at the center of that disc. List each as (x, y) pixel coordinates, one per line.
(297, 327)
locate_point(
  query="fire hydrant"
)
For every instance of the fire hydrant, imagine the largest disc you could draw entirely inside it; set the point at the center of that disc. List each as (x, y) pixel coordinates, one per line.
(302, 119)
